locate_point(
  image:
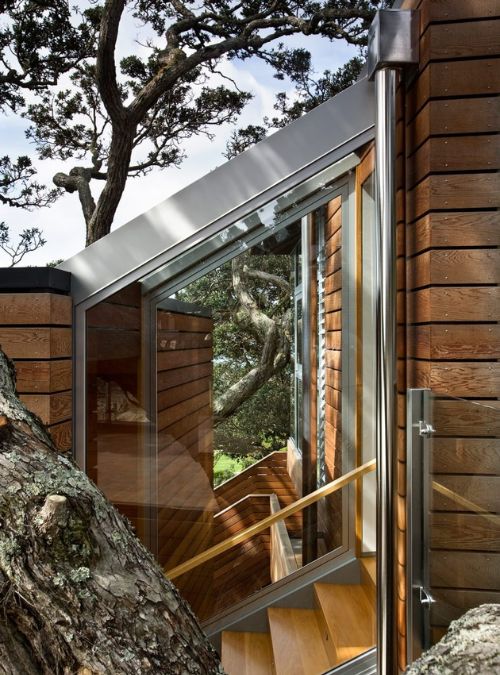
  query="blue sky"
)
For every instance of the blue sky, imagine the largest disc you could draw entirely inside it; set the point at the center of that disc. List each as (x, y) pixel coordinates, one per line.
(63, 225)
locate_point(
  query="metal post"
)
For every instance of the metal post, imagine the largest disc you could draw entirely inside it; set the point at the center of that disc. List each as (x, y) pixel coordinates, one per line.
(385, 317)
(392, 43)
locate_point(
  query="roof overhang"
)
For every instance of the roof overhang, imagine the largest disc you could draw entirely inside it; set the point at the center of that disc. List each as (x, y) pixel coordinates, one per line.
(287, 158)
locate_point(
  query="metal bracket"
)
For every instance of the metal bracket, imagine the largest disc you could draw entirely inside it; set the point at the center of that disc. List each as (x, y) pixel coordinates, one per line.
(392, 39)
(425, 597)
(425, 428)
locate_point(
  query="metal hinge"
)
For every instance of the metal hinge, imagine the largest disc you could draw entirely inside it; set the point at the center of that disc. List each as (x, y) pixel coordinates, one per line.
(425, 428)
(425, 597)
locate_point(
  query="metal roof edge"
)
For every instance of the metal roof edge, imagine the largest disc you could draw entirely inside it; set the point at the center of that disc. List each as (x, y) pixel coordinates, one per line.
(254, 177)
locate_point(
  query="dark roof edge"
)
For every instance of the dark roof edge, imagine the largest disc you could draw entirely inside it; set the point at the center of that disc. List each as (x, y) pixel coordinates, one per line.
(34, 280)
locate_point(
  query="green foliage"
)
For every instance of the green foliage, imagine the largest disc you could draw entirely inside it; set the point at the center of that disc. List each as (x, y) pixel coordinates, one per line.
(262, 424)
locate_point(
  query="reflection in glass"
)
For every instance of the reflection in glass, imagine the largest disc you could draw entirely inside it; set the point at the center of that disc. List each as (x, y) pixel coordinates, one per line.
(188, 422)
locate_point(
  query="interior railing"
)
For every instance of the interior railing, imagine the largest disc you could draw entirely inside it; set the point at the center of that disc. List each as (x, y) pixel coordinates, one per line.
(246, 534)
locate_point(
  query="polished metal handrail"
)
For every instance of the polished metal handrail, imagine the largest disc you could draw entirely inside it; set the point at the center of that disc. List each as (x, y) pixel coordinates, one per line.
(265, 523)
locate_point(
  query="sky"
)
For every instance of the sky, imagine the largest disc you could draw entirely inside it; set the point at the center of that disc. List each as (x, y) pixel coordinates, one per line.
(62, 223)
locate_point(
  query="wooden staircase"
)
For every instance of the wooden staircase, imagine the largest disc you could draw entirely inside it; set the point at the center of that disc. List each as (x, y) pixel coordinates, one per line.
(309, 641)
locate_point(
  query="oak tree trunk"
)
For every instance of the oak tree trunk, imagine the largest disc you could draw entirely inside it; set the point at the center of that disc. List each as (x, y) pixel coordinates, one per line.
(78, 592)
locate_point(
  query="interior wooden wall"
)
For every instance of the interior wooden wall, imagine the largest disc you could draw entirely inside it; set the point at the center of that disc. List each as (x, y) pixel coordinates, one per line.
(36, 333)
(115, 458)
(245, 568)
(449, 199)
(185, 499)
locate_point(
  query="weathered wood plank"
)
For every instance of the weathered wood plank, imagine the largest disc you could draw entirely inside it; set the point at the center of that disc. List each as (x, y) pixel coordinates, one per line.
(467, 418)
(482, 491)
(464, 532)
(31, 309)
(451, 604)
(111, 315)
(454, 341)
(453, 153)
(104, 344)
(455, 78)
(465, 569)
(454, 191)
(465, 455)
(183, 322)
(177, 376)
(451, 230)
(51, 408)
(186, 357)
(454, 266)
(460, 41)
(173, 340)
(36, 343)
(457, 10)
(444, 117)
(465, 379)
(43, 377)
(177, 412)
(454, 304)
(174, 395)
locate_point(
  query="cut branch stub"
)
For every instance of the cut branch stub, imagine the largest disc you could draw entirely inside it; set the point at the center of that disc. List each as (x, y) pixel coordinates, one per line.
(53, 515)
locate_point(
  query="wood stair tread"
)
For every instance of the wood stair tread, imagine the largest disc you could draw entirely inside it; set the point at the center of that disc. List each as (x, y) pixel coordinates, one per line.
(247, 653)
(297, 642)
(347, 615)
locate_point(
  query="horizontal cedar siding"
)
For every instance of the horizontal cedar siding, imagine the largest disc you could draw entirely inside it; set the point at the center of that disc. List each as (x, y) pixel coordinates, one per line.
(452, 199)
(36, 333)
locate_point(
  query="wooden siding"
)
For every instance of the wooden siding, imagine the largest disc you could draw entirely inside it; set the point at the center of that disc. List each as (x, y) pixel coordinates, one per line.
(268, 475)
(330, 512)
(245, 568)
(449, 190)
(185, 500)
(36, 332)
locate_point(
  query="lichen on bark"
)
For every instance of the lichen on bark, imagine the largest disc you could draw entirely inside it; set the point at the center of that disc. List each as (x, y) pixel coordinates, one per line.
(78, 592)
(470, 647)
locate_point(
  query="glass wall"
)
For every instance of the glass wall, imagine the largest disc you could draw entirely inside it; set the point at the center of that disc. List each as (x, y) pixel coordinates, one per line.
(217, 392)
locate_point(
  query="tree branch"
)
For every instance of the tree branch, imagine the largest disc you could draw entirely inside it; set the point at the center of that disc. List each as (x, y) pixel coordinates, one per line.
(105, 61)
(78, 180)
(272, 334)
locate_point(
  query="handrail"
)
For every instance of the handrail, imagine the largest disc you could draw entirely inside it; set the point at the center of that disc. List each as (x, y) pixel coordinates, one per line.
(265, 523)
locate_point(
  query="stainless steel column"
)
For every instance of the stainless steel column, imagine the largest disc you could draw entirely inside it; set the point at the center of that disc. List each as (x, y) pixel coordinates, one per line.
(385, 317)
(392, 44)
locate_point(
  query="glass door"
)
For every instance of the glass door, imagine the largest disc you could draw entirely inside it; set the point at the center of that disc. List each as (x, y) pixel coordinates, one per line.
(454, 513)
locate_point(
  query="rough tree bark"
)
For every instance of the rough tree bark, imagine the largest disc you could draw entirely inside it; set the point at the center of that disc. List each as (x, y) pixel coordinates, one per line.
(471, 645)
(78, 591)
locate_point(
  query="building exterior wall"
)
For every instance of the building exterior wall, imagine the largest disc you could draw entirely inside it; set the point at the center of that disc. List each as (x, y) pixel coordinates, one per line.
(449, 262)
(36, 333)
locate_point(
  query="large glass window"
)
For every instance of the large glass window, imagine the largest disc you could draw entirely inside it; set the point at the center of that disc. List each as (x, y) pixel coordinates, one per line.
(193, 375)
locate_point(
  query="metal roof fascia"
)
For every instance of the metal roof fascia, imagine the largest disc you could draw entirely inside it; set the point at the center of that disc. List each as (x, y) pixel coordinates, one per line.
(205, 207)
